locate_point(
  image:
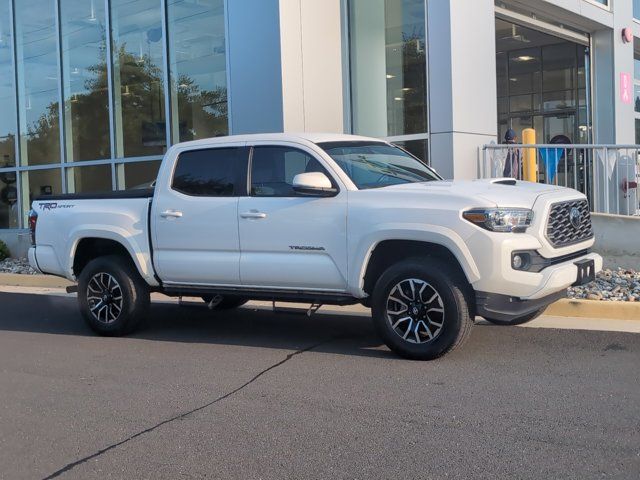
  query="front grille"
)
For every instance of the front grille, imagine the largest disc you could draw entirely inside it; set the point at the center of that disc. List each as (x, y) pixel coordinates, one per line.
(561, 231)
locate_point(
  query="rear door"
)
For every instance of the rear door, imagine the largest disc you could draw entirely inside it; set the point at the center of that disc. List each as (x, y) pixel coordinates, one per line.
(195, 219)
(288, 240)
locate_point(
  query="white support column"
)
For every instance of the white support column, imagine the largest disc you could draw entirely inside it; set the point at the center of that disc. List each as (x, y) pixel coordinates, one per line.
(462, 84)
(613, 59)
(312, 76)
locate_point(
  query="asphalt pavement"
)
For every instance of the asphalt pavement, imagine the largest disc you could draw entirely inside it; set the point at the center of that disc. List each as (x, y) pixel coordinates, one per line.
(255, 395)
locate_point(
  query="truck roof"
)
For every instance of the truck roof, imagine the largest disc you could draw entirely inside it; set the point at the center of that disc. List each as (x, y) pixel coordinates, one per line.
(295, 137)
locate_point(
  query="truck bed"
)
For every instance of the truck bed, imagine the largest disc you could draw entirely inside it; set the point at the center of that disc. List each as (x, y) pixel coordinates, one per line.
(116, 194)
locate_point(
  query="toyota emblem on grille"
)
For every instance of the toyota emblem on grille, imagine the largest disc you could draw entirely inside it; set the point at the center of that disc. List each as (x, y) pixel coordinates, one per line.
(575, 217)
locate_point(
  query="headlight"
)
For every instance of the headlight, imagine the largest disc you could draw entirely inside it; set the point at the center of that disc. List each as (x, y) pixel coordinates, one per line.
(500, 219)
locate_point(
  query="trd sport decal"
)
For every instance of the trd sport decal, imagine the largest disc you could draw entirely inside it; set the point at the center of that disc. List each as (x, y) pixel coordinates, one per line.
(306, 248)
(54, 206)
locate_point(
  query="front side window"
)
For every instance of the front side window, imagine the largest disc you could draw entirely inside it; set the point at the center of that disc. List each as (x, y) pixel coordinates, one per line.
(377, 165)
(208, 173)
(274, 168)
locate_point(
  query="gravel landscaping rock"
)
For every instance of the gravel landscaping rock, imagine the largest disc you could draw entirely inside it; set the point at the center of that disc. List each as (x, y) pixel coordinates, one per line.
(621, 285)
(13, 265)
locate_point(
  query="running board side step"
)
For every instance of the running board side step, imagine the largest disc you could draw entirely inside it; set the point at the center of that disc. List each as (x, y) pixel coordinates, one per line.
(295, 296)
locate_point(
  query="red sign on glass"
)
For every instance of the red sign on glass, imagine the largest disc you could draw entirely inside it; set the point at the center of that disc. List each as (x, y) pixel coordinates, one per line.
(626, 95)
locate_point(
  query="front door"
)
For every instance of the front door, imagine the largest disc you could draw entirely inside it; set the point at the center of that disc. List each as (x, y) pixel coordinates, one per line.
(195, 218)
(288, 240)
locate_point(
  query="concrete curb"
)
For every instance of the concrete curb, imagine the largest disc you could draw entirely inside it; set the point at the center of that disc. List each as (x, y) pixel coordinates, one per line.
(40, 281)
(562, 308)
(595, 309)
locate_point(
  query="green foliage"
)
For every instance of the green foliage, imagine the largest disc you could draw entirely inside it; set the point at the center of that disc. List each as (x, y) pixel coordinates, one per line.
(4, 251)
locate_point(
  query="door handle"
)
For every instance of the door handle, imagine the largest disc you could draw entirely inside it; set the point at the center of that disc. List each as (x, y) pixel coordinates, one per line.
(254, 215)
(171, 214)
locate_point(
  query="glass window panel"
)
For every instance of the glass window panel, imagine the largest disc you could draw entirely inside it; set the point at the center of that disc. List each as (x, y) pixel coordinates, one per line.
(637, 131)
(388, 60)
(198, 68)
(137, 174)
(559, 66)
(417, 148)
(582, 73)
(38, 81)
(85, 79)
(40, 183)
(208, 173)
(8, 119)
(502, 67)
(273, 170)
(521, 103)
(524, 71)
(558, 100)
(637, 97)
(96, 178)
(9, 214)
(636, 9)
(558, 126)
(138, 77)
(503, 105)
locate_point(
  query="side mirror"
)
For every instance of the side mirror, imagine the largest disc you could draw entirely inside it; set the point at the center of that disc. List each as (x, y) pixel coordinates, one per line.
(314, 184)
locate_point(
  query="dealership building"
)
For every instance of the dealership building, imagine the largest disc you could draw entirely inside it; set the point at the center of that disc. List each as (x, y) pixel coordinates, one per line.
(92, 92)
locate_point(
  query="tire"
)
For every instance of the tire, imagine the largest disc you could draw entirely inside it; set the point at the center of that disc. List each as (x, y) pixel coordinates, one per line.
(112, 279)
(227, 303)
(518, 320)
(442, 318)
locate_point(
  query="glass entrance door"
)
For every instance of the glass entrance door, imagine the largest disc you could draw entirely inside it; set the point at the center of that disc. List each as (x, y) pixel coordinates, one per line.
(543, 83)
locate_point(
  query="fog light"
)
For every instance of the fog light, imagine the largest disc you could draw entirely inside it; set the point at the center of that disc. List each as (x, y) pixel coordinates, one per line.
(517, 262)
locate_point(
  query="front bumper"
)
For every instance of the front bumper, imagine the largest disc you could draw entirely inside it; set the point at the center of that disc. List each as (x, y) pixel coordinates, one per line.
(492, 254)
(504, 307)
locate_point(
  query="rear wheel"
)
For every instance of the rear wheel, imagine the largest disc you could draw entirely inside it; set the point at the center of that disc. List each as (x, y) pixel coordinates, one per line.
(113, 298)
(518, 320)
(420, 310)
(220, 302)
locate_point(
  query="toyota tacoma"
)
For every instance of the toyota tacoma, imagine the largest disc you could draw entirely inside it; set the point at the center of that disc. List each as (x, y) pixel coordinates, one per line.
(321, 219)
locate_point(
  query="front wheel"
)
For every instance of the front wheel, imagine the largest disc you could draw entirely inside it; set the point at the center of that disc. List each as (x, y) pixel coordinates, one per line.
(420, 310)
(518, 320)
(113, 298)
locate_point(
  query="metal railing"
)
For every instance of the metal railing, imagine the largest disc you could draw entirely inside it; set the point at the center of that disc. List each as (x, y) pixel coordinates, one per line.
(607, 174)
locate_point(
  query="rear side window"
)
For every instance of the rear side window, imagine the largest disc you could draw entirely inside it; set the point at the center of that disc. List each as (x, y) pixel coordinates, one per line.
(273, 169)
(209, 173)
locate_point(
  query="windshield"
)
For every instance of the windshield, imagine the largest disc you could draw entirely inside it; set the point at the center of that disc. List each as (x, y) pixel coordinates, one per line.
(377, 164)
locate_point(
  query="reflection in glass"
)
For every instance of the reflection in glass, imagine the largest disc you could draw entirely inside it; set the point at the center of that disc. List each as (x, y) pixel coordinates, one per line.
(8, 119)
(198, 68)
(96, 178)
(85, 79)
(138, 77)
(38, 81)
(417, 148)
(40, 183)
(9, 215)
(137, 174)
(388, 66)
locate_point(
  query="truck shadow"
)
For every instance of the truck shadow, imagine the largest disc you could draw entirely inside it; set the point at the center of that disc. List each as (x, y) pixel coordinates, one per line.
(194, 323)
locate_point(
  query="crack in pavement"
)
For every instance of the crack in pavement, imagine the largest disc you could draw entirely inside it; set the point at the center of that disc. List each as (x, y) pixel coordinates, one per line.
(72, 465)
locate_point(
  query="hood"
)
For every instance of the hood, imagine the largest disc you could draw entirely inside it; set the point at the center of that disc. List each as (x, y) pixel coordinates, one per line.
(498, 192)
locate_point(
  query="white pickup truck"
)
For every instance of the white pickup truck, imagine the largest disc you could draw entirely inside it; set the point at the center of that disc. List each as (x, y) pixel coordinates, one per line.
(321, 219)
